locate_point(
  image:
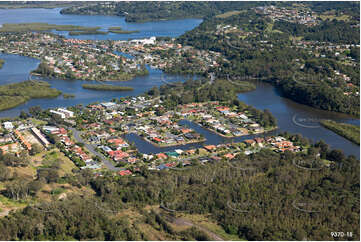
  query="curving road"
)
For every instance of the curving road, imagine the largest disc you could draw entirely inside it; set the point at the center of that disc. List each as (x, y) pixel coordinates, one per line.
(92, 150)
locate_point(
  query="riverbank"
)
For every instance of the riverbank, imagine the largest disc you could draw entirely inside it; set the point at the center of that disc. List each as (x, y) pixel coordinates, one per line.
(348, 131)
(72, 59)
(235, 136)
(175, 144)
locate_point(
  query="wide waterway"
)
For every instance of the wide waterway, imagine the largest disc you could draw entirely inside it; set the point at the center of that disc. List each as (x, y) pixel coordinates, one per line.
(291, 116)
(171, 28)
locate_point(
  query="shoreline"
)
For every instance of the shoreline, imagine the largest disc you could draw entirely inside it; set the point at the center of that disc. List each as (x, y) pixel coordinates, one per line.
(170, 145)
(339, 129)
(233, 136)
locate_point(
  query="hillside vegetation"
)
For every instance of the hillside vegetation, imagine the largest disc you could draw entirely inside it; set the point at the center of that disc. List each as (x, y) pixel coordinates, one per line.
(242, 203)
(153, 11)
(260, 48)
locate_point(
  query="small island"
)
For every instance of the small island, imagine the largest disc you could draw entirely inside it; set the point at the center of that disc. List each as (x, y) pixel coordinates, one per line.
(13, 95)
(348, 131)
(87, 32)
(1, 63)
(119, 30)
(26, 27)
(68, 95)
(106, 87)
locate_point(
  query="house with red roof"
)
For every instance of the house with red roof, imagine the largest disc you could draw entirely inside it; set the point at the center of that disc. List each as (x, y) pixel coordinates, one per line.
(162, 156)
(229, 156)
(222, 108)
(158, 140)
(125, 173)
(210, 147)
(185, 130)
(250, 142)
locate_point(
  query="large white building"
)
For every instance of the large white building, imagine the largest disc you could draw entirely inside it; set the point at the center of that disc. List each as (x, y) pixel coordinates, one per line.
(61, 115)
(8, 125)
(149, 41)
(67, 113)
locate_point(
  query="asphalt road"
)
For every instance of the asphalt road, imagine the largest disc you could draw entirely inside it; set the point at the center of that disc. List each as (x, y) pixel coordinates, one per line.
(92, 150)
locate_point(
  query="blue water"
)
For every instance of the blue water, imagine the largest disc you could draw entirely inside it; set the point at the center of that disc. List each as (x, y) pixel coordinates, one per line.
(17, 68)
(211, 139)
(11, 73)
(171, 28)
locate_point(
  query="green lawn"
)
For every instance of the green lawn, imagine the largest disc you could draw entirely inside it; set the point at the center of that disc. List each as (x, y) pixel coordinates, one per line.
(228, 14)
(331, 17)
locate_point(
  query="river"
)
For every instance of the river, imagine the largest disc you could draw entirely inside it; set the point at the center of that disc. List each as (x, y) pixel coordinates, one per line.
(17, 68)
(297, 118)
(171, 28)
(291, 116)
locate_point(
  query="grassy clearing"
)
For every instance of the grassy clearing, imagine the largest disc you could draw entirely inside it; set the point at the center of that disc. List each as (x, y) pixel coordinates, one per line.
(294, 38)
(228, 14)
(38, 122)
(25, 27)
(52, 157)
(270, 29)
(7, 202)
(27, 172)
(348, 131)
(207, 223)
(330, 17)
(151, 233)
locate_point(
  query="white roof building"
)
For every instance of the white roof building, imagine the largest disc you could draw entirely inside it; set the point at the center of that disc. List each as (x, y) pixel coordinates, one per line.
(8, 125)
(66, 112)
(62, 115)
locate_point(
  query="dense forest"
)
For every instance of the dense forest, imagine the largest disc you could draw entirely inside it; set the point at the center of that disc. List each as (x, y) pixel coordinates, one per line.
(152, 11)
(199, 91)
(244, 202)
(268, 53)
(329, 31)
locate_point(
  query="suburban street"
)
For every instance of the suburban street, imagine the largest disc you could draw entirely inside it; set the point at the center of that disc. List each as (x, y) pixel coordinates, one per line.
(91, 149)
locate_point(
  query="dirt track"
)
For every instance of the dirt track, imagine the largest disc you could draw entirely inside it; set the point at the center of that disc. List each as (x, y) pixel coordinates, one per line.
(186, 222)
